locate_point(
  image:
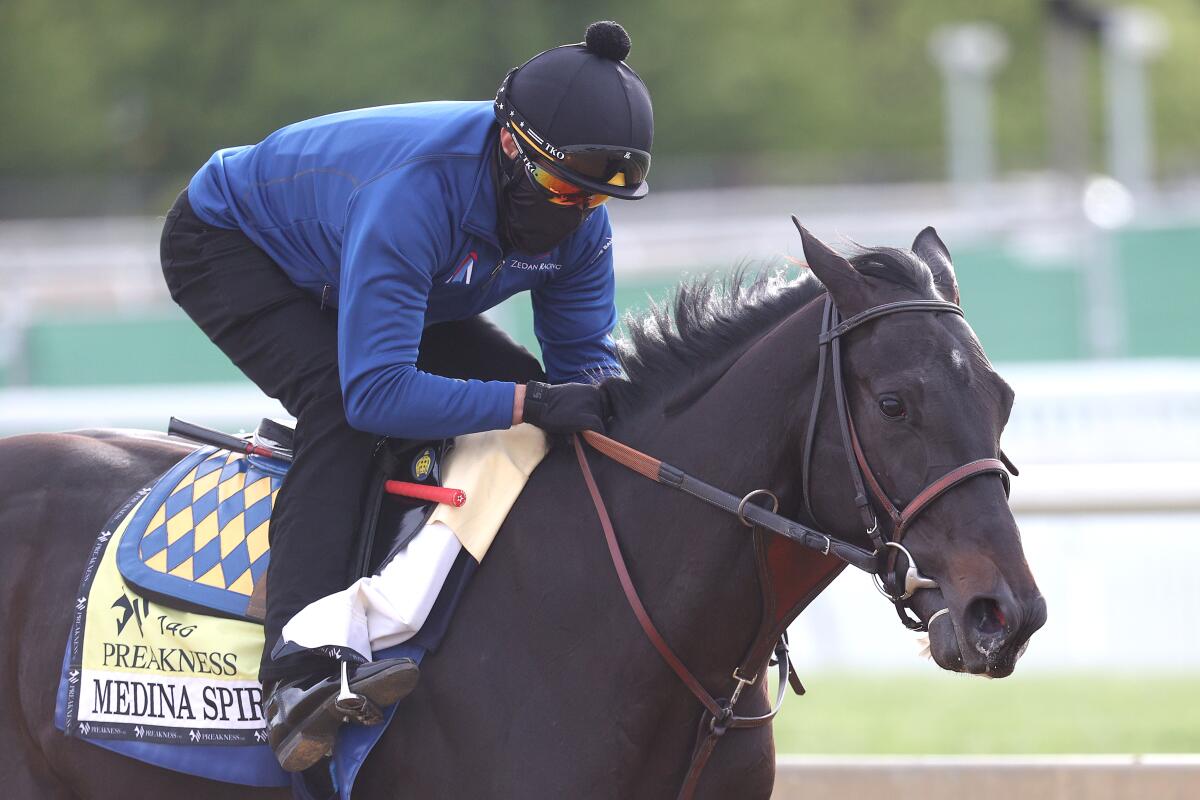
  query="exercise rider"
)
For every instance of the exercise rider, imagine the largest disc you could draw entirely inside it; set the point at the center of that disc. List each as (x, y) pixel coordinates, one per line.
(343, 263)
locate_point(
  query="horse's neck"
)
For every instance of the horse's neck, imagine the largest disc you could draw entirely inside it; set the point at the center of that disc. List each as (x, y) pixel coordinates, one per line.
(702, 589)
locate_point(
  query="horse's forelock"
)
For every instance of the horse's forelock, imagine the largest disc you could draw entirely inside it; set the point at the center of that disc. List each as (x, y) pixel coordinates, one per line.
(896, 266)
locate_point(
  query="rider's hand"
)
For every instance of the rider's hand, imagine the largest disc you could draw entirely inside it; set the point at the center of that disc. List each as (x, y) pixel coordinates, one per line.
(565, 408)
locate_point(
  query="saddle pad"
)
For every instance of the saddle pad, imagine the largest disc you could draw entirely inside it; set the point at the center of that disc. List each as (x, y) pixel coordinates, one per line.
(178, 689)
(199, 538)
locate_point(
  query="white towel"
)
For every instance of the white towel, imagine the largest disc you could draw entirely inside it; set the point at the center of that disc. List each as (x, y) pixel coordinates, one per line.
(385, 609)
(389, 608)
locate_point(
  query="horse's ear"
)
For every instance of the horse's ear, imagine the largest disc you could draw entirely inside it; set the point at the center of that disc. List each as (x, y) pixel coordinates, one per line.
(929, 248)
(847, 288)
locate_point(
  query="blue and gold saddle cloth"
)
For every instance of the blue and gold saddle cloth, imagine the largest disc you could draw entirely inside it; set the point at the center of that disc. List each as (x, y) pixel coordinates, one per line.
(162, 659)
(200, 536)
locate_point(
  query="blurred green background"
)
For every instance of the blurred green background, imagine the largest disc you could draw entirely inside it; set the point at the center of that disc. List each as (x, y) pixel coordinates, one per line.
(109, 108)
(1023, 309)
(123, 100)
(959, 715)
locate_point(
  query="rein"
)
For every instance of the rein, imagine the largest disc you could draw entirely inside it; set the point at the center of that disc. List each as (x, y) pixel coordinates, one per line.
(719, 713)
(751, 515)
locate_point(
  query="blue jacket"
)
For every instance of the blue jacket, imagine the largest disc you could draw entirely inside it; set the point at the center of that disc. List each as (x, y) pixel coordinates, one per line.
(390, 214)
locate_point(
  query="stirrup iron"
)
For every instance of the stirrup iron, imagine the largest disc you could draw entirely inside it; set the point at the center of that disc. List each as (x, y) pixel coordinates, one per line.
(354, 707)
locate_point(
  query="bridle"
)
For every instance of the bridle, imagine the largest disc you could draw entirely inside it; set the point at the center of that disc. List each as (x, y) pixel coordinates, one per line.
(861, 474)
(719, 713)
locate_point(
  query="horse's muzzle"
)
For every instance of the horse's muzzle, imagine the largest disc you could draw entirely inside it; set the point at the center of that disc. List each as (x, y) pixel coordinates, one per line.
(986, 636)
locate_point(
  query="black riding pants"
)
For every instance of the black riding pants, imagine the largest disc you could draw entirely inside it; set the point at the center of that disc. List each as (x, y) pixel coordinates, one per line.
(282, 339)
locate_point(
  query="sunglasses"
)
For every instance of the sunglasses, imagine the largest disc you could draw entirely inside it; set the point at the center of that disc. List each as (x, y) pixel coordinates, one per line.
(558, 191)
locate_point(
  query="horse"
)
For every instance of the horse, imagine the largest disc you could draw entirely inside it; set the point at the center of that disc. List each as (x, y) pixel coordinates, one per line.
(544, 685)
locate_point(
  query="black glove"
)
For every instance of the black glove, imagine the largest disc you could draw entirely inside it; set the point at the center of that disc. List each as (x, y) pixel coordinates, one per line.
(565, 408)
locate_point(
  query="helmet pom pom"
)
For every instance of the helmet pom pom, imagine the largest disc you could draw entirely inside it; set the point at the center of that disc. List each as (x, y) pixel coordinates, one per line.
(607, 40)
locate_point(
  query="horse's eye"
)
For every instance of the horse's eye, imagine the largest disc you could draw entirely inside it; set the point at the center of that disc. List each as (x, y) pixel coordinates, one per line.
(891, 407)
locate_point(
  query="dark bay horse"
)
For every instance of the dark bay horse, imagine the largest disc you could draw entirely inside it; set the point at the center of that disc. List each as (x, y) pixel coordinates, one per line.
(545, 686)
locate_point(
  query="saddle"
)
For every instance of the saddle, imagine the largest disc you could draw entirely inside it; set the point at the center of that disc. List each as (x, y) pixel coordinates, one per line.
(199, 539)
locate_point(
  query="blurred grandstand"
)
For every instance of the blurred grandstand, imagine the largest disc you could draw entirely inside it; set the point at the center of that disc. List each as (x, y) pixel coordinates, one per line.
(84, 302)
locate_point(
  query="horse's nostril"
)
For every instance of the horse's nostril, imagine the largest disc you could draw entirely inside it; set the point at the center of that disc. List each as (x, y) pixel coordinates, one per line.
(985, 616)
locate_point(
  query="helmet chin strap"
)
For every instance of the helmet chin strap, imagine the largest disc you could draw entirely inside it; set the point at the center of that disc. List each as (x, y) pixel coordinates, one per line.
(502, 174)
(508, 148)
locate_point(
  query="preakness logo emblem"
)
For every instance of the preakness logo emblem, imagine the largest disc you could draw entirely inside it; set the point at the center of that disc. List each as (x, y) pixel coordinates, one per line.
(137, 609)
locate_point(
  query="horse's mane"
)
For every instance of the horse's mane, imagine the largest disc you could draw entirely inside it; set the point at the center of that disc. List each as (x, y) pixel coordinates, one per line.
(690, 340)
(678, 349)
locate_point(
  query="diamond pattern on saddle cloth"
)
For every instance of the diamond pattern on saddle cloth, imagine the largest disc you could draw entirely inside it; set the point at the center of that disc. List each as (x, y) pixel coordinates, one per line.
(200, 536)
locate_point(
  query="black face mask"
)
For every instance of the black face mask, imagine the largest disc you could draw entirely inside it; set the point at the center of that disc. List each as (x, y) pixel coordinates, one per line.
(529, 223)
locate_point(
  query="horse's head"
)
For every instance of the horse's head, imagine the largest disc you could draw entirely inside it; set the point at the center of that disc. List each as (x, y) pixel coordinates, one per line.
(924, 401)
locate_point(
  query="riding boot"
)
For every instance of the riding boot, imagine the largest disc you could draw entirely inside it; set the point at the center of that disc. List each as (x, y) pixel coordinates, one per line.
(303, 714)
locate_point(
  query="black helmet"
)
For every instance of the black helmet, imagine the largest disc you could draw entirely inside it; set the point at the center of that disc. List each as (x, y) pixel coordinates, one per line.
(581, 112)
